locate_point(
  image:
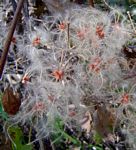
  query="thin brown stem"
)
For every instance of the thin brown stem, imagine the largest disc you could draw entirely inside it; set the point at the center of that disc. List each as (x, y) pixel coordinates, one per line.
(131, 21)
(91, 2)
(9, 36)
(130, 76)
(68, 34)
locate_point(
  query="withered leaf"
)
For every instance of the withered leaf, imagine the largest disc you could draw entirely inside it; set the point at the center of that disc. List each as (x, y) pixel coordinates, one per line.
(10, 101)
(104, 120)
(86, 124)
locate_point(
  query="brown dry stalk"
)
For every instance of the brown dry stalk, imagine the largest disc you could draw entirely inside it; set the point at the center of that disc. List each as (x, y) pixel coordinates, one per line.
(91, 2)
(9, 36)
(68, 34)
(132, 75)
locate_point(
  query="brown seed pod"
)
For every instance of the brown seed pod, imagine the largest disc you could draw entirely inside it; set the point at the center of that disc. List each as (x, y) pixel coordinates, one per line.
(10, 101)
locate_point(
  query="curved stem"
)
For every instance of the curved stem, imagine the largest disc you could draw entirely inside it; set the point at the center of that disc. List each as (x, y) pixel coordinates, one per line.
(9, 36)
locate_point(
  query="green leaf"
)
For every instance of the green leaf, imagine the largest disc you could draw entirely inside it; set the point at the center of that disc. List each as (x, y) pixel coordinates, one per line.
(61, 134)
(18, 138)
(97, 138)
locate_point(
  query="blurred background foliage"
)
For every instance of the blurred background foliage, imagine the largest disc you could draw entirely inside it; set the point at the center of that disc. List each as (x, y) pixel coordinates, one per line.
(127, 5)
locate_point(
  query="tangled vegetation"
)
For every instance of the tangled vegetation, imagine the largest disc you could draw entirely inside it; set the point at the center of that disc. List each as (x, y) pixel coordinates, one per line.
(69, 79)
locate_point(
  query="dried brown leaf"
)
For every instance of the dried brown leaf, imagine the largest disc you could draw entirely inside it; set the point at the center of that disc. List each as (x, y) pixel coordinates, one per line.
(10, 101)
(104, 120)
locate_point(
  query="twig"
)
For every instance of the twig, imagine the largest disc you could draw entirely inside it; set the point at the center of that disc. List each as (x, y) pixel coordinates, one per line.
(14, 5)
(30, 134)
(130, 76)
(52, 145)
(25, 10)
(91, 2)
(131, 21)
(41, 145)
(68, 34)
(40, 140)
(26, 15)
(9, 36)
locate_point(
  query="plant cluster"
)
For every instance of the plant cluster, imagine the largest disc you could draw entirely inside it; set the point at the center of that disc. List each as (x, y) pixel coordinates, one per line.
(73, 61)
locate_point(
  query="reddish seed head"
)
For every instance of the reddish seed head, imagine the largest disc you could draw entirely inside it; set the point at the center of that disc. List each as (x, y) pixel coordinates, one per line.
(39, 106)
(125, 99)
(58, 74)
(81, 35)
(99, 32)
(25, 79)
(13, 40)
(36, 41)
(62, 26)
(94, 66)
(72, 113)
